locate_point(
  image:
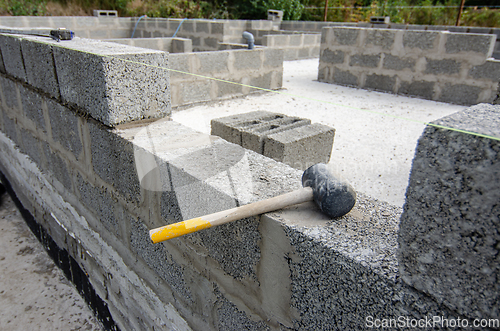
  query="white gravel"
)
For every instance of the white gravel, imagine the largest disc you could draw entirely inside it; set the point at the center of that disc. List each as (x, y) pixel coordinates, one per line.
(372, 151)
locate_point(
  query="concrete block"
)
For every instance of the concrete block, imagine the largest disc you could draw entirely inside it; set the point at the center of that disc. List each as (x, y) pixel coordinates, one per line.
(229, 317)
(230, 127)
(296, 40)
(211, 44)
(181, 63)
(253, 136)
(346, 36)
(489, 70)
(420, 39)
(182, 45)
(39, 64)
(11, 95)
(113, 160)
(273, 58)
(159, 260)
(380, 82)
(31, 146)
(460, 94)
(65, 128)
(10, 47)
(397, 63)
(203, 27)
(247, 59)
(32, 104)
(217, 28)
(98, 78)
(9, 128)
(213, 62)
(442, 67)
(457, 42)
(225, 89)
(101, 205)
(448, 233)
(382, 38)
(58, 167)
(197, 91)
(345, 78)
(301, 147)
(262, 81)
(361, 60)
(329, 56)
(421, 89)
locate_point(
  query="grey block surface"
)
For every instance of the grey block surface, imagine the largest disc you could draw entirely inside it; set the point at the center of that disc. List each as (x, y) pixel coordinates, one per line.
(417, 88)
(483, 44)
(362, 60)
(10, 47)
(449, 228)
(32, 104)
(64, 126)
(344, 78)
(490, 69)
(460, 94)
(113, 160)
(40, 69)
(380, 37)
(380, 82)
(332, 56)
(346, 36)
(99, 78)
(397, 63)
(419, 39)
(438, 67)
(301, 147)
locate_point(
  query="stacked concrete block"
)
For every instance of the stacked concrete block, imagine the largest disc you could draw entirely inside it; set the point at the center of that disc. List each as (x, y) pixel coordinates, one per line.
(291, 140)
(10, 46)
(428, 64)
(207, 76)
(295, 46)
(286, 269)
(449, 228)
(171, 45)
(110, 69)
(92, 76)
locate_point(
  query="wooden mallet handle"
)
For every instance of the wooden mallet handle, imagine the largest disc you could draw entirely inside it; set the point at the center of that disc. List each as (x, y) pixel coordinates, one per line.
(181, 228)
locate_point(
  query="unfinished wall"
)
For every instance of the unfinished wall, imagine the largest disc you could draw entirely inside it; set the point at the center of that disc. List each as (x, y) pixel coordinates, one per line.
(262, 68)
(96, 179)
(171, 45)
(449, 67)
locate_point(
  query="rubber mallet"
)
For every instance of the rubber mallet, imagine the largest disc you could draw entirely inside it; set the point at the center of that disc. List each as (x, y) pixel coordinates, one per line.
(333, 196)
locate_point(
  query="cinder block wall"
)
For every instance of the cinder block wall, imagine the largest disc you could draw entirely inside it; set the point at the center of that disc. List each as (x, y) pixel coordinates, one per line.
(171, 45)
(262, 68)
(449, 67)
(295, 46)
(96, 190)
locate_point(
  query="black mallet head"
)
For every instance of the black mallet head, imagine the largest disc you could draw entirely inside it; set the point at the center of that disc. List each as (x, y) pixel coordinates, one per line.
(334, 196)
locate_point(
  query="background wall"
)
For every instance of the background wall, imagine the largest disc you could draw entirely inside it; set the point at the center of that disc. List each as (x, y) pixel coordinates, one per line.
(449, 67)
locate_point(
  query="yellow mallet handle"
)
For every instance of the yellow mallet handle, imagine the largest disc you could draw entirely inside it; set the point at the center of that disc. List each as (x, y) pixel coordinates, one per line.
(181, 228)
